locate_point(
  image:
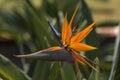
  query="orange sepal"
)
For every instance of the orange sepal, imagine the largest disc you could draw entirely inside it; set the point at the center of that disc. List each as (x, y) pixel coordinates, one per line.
(73, 15)
(82, 60)
(81, 47)
(81, 35)
(64, 29)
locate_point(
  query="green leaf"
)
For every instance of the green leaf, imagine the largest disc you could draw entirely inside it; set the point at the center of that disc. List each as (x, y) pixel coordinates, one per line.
(41, 71)
(55, 71)
(117, 73)
(10, 72)
(95, 74)
(12, 34)
(69, 73)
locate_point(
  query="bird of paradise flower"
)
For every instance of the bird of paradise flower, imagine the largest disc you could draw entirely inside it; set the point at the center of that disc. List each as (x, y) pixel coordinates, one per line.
(69, 42)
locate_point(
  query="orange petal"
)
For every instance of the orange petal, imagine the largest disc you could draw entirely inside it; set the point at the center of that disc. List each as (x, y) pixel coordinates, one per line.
(73, 15)
(81, 47)
(68, 32)
(82, 60)
(81, 35)
(64, 29)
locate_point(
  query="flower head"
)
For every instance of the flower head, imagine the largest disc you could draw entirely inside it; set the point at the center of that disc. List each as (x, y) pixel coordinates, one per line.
(70, 44)
(73, 42)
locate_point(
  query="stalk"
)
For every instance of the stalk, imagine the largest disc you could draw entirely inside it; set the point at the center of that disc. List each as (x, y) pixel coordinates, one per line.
(77, 71)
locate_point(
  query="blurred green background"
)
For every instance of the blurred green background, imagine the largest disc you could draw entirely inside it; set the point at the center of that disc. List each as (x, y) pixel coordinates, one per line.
(24, 29)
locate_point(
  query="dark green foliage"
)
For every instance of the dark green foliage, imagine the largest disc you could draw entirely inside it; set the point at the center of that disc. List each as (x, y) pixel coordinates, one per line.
(117, 73)
(27, 25)
(8, 71)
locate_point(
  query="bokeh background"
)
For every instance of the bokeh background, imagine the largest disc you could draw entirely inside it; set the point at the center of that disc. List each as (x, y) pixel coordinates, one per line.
(24, 29)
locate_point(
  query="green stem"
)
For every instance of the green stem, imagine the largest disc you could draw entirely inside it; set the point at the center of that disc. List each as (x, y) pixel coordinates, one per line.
(77, 71)
(115, 56)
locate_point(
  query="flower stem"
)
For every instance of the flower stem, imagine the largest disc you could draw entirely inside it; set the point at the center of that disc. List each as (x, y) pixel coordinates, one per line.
(77, 71)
